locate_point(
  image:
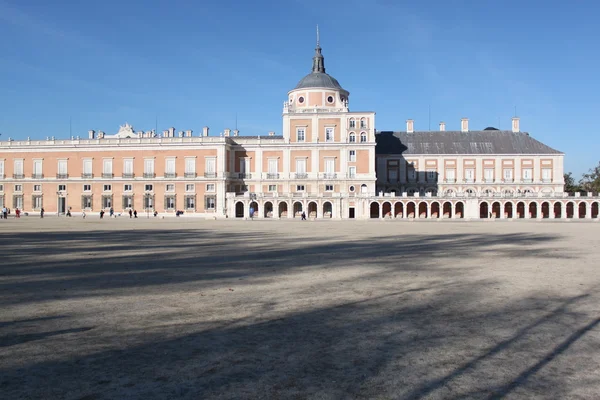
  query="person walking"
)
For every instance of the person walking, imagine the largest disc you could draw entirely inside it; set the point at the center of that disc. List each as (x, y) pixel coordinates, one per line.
(17, 213)
(42, 213)
(4, 212)
(134, 213)
(303, 216)
(130, 213)
(112, 212)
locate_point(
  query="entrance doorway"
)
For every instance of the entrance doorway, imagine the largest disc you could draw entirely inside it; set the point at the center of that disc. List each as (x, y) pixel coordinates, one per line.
(351, 213)
(62, 205)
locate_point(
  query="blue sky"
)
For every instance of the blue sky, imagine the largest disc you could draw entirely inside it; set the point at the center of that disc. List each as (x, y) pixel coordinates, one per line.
(191, 64)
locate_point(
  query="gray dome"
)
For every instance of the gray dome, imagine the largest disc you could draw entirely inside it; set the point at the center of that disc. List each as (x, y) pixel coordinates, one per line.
(318, 80)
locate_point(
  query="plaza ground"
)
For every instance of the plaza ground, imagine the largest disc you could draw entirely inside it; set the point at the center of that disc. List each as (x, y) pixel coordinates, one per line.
(195, 309)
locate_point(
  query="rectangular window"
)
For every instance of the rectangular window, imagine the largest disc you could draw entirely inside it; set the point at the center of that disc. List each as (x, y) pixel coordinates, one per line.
(107, 166)
(190, 202)
(272, 165)
(148, 202)
(127, 188)
(300, 134)
(170, 168)
(546, 174)
(330, 166)
(37, 202)
(352, 155)
(86, 202)
(148, 188)
(62, 169)
(393, 175)
(169, 202)
(210, 170)
(170, 187)
(211, 202)
(107, 188)
(299, 188)
(37, 188)
(18, 170)
(18, 201)
(301, 166)
(62, 188)
(190, 167)
(107, 202)
(128, 168)
(528, 174)
(190, 187)
(127, 202)
(329, 137)
(352, 123)
(508, 174)
(37, 169)
(149, 168)
(450, 175)
(210, 187)
(1, 169)
(470, 174)
(18, 188)
(272, 188)
(87, 188)
(87, 168)
(488, 174)
(329, 188)
(412, 174)
(431, 175)
(352, 172)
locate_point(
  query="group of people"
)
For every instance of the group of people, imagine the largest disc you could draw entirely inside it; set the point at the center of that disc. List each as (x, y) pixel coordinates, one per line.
(6, 212)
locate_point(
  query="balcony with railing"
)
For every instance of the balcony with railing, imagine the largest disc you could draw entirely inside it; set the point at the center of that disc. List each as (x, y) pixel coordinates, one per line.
(351, 175)
(527, 180)
(449, 180)
(18, 176)
(37, 176)
(128, 175)
(301, 175)
(170, 175)
(244, 175)
(189, 175)
(149, 175)
(107, 175)
(87, 176)
(210, 174)
(329, 175)
(62, 176)
(272, 175)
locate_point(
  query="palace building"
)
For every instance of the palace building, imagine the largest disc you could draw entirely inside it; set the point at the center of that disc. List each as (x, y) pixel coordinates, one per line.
(328, 162)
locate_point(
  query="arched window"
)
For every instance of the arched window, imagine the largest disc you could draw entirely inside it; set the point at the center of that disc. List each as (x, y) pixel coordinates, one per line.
(352, 137)
(352, 123)
(363, 137)
(470, 193)
(363, 123)
(363, 188)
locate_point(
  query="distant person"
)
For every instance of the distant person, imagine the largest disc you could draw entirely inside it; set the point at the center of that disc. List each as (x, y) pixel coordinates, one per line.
(83, 214)
(4, 212)
(112, 212)
(42, 213)
(130, 213)
(134, 213)
(303, 216)
(101, 214)
(17, 213)
(155, 213)
(69, 212)
(252, 212)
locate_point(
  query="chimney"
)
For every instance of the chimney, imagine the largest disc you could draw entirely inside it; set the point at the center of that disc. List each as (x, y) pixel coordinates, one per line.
(188, 133)
(410, 126)
(515, 124)
(464, 125)
(271, 133)
(165, 133)
(236, 132)
(140, 134)
(227, 132)
(171, 132)
(100, 135)
(205, 131)
(442, 126)
(91, 134)
(180, 133)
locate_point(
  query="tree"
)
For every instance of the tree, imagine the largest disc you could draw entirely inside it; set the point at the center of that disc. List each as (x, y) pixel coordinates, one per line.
(590, 182)
(570, 185)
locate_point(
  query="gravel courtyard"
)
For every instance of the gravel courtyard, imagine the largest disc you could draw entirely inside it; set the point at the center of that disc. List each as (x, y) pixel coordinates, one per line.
(194, 309)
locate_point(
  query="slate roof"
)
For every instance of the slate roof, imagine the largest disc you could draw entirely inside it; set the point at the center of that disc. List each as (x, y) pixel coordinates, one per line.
(456, 142)
(318, 80)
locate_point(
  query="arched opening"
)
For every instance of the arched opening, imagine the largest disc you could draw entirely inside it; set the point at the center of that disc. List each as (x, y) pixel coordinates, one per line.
(496, 209)
(508, 210)
(253, 210)
(283, 211)
(374, 210)
(533, 210)
(363, 188)
(297, 209)
(387, 209)
(570, 210)
(447, 210)
(520, 210)
(312, 210)
(398, 210)
(557, 210)
(410, 210)
(484, 211)
(239, 209)
(582, 209)
(595, 210)
(422, 209)
(435, 209)
(545, 210)
(460, 210)
(327, 210)
(268, 210)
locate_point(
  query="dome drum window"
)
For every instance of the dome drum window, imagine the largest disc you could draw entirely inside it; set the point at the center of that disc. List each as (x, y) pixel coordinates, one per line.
(301, 99)
(330, 99)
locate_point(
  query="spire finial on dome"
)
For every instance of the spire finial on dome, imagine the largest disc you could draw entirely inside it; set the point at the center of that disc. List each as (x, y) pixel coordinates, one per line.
(318, 59)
